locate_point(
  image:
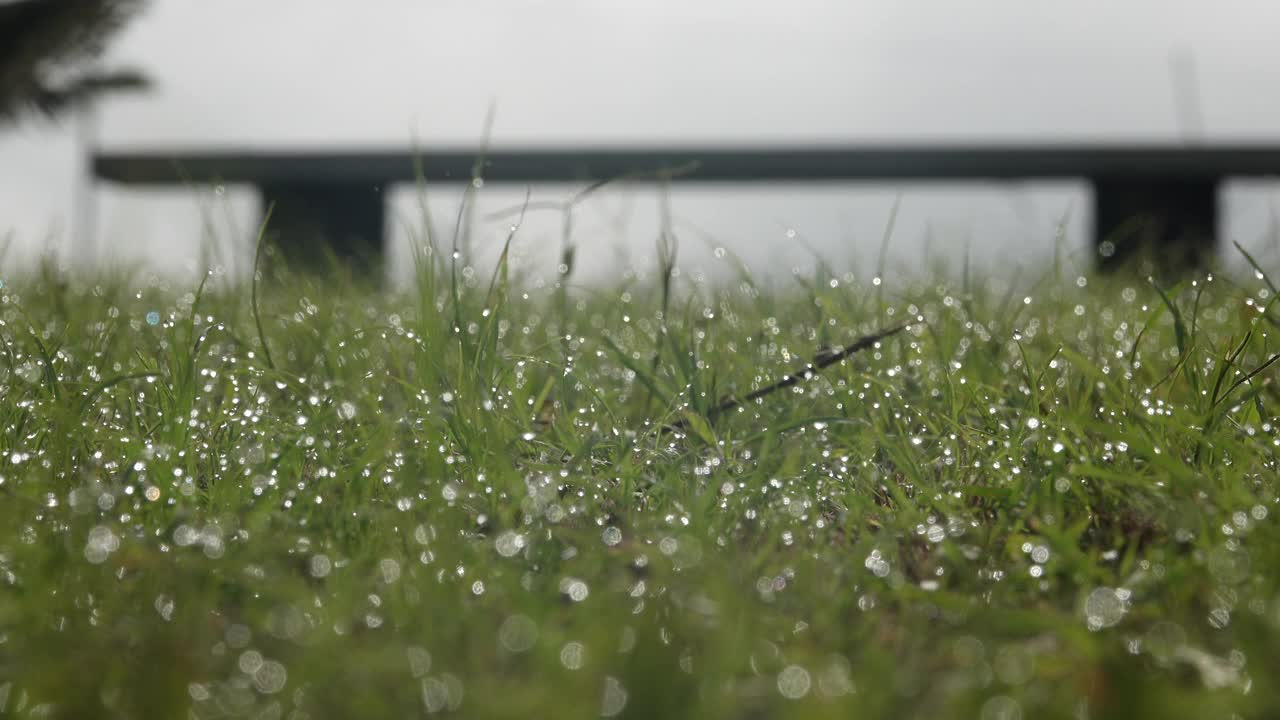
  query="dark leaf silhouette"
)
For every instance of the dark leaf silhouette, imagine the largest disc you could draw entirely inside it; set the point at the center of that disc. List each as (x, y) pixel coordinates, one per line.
(46, 47)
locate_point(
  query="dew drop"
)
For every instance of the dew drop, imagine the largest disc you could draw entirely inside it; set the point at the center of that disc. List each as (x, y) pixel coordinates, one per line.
(793, 682)
(1103, 608)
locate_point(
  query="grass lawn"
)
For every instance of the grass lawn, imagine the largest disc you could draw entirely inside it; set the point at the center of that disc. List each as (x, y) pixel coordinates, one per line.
(300, 498)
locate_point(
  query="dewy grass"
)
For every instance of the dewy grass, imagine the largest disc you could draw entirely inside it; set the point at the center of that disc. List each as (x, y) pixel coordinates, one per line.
(480, 500)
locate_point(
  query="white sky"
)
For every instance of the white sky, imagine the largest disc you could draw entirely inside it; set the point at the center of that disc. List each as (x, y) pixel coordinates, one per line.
(311, 74)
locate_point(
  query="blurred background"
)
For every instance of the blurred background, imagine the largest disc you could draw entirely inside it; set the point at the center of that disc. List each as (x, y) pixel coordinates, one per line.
(379, 73)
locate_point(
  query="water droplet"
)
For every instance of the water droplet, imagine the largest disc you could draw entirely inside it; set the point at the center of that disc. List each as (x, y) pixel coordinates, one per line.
(518, 633)
(346, 410)
(575, 589)
(320, 566)
(250, 662)
(270, 677)
(1001, 707)
(611, 536)
(793, 682)
(419, 661)
(572, 655)
(1103, 608)
(1219, 618)
(435, 694)
(389, 569)
(164, 606)
(1229, 565)
(102, 542)
(508, 543)
(615, 697)
(877, 564)
(238, 635)
(29, 371)
(153, 318)
(834, 680)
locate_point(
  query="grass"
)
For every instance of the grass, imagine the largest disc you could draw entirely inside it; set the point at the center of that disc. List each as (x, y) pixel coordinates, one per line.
(309, 499)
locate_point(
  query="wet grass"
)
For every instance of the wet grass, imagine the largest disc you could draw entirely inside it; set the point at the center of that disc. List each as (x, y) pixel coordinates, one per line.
(315, 500)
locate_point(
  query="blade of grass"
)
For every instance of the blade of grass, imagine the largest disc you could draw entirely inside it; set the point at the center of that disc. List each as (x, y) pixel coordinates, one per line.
(253, 285)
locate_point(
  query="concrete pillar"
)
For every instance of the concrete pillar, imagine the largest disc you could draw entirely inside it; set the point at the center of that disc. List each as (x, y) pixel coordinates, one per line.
(1170, 223)
(313, 222)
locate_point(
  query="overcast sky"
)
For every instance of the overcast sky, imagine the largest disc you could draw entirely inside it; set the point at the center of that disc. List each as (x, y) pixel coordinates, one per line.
(311, 74)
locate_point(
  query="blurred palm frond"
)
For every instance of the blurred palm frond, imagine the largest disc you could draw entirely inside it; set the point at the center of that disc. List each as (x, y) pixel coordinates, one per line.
(46, 46)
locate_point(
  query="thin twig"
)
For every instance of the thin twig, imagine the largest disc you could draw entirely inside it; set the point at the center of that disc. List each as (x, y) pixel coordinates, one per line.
(663, 173)
(808, 372)
(1270, 361)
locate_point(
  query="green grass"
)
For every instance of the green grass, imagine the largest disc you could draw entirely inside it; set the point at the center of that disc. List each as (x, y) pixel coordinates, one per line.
(316, 500)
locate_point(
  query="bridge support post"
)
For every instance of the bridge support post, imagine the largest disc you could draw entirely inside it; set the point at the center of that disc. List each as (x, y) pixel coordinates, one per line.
(315, 223)
(1169, 224)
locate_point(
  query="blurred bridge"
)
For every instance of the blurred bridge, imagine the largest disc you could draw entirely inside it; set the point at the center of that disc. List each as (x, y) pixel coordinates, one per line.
(1159, 198)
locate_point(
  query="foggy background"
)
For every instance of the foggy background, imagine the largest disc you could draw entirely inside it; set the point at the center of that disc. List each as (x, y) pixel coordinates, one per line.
(288, 73)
